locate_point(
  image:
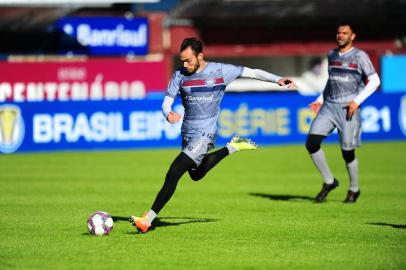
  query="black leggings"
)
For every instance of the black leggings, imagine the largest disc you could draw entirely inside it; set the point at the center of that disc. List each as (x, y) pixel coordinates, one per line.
(209, 161)
(179, 166)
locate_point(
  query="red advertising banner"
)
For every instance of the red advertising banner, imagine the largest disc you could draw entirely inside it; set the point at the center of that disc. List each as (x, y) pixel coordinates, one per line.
(95, 79)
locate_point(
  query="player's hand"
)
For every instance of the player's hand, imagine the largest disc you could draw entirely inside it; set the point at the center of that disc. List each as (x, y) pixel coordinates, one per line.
(352, 108)
(288, 82)
(173, 117)
(315, 106)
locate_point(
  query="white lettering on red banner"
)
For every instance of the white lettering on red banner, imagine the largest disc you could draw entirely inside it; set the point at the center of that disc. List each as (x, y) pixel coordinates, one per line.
(71, 91)
(94, 79)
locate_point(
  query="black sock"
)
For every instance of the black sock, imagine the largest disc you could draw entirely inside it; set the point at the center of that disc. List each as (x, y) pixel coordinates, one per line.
(179, 166)
(208, 163)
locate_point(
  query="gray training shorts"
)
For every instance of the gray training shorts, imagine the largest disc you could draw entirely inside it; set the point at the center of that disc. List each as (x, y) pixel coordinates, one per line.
(197, 148)
(334, 115)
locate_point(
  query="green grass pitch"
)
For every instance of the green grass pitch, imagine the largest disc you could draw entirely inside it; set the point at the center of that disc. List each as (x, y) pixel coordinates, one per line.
(253, 211)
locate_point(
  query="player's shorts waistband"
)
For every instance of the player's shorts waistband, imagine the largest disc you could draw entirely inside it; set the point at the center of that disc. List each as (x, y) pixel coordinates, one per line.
(340, 105)
(208, 135)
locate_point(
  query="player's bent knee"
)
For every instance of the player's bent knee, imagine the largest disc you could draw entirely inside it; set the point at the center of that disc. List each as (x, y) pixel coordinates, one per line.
(348, 155)
(311, 148)
(195, 175)
(313, 143)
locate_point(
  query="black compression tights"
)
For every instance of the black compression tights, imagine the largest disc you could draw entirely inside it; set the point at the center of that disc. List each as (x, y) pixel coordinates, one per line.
(208, 163)
(179, 166)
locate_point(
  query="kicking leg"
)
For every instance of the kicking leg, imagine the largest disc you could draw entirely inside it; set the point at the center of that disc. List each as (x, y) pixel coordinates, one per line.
(209, 161)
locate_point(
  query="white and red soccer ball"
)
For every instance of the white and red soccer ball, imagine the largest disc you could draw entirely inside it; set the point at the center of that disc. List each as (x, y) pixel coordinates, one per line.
(100, 223)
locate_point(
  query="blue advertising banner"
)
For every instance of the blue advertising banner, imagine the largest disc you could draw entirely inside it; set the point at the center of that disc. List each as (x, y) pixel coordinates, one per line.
(104, 35)
(268, 118)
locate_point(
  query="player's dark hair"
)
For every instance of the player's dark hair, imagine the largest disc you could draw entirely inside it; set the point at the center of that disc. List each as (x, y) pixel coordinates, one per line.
(194, 43)
(349, 24)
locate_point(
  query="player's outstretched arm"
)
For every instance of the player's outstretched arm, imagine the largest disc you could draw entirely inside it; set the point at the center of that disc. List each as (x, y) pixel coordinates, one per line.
(262, 75)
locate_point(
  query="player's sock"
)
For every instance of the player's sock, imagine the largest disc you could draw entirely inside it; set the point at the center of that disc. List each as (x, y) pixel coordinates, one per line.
(208, 163)
(231, 149)
(179, 166)
(320, 161)
(352, 169)
(151, 215)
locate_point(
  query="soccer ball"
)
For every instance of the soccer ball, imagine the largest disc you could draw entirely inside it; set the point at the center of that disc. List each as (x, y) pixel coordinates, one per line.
(100, 223)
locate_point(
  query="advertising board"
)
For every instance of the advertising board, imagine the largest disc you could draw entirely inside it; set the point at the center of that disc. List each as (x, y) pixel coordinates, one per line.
(90, 80)
(104, 35)
(267, 118)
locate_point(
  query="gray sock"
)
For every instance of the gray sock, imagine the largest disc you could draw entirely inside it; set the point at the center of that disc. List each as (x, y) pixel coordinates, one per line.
(320, 161)
(352, 169)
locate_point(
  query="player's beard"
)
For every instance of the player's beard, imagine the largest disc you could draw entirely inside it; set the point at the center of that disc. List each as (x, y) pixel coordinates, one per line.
(343, 43)
(195, 68)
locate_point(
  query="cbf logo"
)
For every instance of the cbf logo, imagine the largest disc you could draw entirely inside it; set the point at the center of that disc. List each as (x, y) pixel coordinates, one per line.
(11, 128)
(402, 115)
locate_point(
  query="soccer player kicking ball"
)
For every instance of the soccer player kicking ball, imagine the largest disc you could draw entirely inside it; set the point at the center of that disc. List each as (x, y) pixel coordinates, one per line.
(201, 85)
(338, 107)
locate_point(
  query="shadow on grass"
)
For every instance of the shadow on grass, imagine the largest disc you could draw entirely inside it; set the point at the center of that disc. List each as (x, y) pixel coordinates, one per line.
(282, 197)
(396, 226)
(116, 218)
(170, 221)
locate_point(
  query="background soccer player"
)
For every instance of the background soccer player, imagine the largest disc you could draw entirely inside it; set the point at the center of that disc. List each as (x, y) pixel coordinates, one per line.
(201, 85)
(338, 107)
